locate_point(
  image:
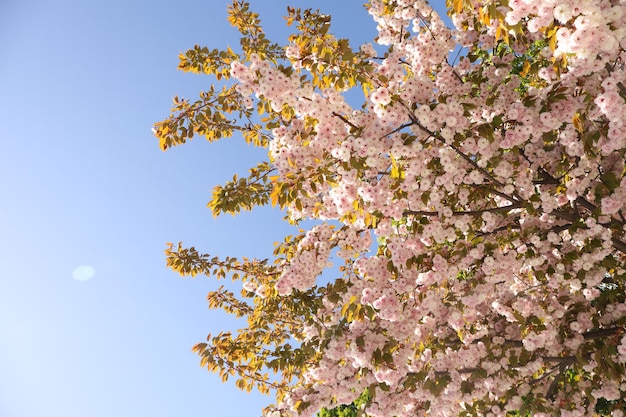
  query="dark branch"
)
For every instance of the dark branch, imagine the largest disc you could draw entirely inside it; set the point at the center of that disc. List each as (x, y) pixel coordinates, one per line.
(555, 382)
(464, 213)
(346, 121)
(601, 333)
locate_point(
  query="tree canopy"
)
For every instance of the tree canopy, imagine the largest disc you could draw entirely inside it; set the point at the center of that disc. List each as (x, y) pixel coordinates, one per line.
(474, 199)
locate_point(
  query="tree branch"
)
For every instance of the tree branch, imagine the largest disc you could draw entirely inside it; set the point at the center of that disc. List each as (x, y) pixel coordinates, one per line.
(601, 333)
(462, 155)
(573, 218)
(619, 245)
(503, 209)
(563, 360)
(554, 385)
(544, 376)
(621, 86)
(345, 120)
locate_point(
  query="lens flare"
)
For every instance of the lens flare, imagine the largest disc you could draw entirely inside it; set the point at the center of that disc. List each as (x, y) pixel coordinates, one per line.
(83, 273)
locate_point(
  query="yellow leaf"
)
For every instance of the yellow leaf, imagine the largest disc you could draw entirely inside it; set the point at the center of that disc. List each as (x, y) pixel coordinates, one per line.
(274, 194)
(458, 6)
(525, 69)
(348, 304)
(552, 38)
(578, 124)
(298, 405)
(481, 16)
(498, 32)
(502, 32)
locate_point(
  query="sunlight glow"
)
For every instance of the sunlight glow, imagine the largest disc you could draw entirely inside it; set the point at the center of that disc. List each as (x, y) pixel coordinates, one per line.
(83, 273)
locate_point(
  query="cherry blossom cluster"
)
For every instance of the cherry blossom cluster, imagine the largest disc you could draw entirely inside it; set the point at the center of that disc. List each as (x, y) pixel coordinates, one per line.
(499, 200)
(313, 252)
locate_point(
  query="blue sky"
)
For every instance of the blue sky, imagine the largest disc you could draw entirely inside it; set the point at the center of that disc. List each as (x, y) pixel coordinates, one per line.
(84, 183)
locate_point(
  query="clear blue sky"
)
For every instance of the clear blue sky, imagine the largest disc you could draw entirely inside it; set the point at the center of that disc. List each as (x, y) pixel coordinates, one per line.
(83, 182)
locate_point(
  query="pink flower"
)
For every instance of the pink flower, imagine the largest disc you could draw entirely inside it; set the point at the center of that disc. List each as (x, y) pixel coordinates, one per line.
(381, 96)
(611, 205)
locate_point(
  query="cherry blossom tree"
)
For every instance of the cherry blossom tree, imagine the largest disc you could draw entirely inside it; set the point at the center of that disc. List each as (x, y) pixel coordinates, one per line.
(474, 202)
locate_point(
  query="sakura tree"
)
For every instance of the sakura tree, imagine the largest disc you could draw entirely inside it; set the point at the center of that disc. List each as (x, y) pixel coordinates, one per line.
(474, 200)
